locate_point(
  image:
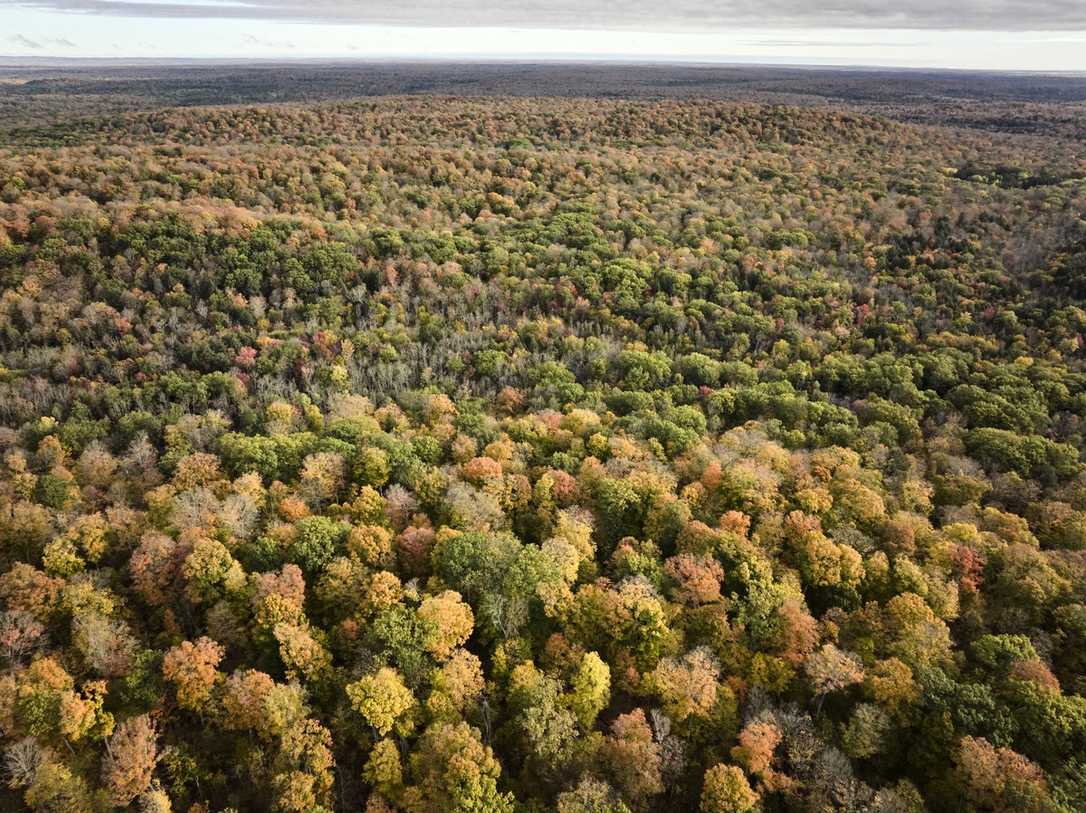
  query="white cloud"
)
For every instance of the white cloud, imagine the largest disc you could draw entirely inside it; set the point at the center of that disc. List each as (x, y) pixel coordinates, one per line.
(645, 15)
(54, 33)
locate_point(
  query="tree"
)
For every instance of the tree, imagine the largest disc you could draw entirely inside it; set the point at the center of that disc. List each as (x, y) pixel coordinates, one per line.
(890, 683)
(688, 685)
(758, 742)
(453, 772)
(590, 796)
(384, 768)
(916, 635)
(633, 757)
(821, 562)
(245, 699)
(867, 731)
(542, 727)
(725, 790)
(301, 653)
(211, 572)
(130, 760)
(56, 788)
(999, 779)
(106, 644)
(191, 668)
(303, 777)
(156, 568)
(323, 477)
(797, 631)
(455, 686)
(450, 621)
(20, 634)
(696, 578)
(591, 689)
(831, 670)
(316, 543)
(42, 701)
(384, 702)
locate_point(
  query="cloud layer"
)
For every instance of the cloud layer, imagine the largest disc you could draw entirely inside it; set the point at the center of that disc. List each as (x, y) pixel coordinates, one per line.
(645, 15)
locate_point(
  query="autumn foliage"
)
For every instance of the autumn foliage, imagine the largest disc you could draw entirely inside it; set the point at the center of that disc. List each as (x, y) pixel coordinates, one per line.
(458, 455)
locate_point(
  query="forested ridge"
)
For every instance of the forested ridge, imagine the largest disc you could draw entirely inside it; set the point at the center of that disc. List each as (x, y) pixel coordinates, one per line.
(522, 454)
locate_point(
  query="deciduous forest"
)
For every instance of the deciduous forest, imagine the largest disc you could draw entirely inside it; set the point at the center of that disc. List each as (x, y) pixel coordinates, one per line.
(517, 452)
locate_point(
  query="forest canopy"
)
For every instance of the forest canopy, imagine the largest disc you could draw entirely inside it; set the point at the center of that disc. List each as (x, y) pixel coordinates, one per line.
(525, 454)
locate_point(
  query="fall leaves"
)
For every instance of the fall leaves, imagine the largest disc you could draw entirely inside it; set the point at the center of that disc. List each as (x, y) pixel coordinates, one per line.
(717, 458)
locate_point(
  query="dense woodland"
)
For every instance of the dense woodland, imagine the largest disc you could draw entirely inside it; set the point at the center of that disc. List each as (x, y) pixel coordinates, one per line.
(452, 455)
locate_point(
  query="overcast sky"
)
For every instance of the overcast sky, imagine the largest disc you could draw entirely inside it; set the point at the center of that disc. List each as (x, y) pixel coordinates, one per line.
(1009, 34)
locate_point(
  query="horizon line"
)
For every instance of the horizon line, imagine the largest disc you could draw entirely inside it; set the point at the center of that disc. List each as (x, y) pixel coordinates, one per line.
(15, 61)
